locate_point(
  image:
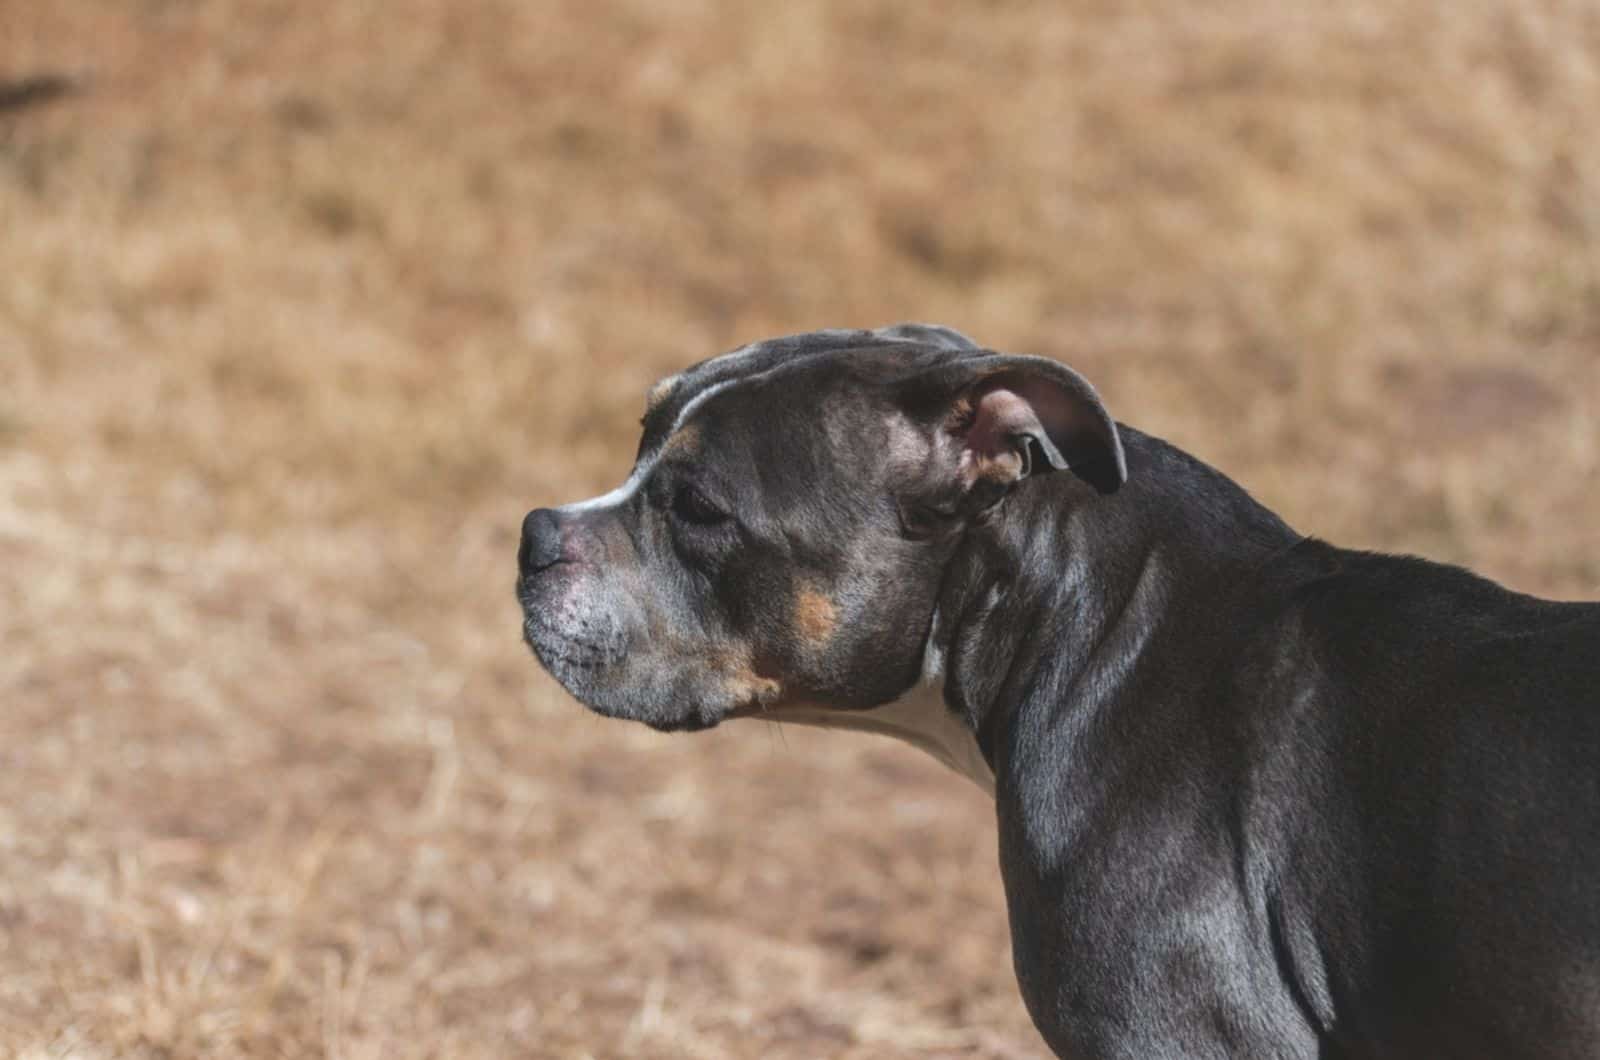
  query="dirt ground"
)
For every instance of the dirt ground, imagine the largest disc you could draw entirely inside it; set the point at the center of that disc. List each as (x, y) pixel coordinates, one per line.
(302, 305)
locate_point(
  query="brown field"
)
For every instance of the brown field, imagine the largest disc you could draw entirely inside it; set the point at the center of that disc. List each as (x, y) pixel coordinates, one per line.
(302, 305)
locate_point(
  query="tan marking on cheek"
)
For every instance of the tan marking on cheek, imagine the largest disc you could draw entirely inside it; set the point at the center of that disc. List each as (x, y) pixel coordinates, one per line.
(815, 617)
(659, 393)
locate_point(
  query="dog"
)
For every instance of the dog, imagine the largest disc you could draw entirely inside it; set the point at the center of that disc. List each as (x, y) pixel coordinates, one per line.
(1257, 796)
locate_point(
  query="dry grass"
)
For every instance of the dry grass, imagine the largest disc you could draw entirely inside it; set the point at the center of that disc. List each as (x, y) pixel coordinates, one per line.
(302, 305)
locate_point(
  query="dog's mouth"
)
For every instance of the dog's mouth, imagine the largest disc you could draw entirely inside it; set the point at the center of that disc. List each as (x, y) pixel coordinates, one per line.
(563, 652)
(594, 672)
(670, 686)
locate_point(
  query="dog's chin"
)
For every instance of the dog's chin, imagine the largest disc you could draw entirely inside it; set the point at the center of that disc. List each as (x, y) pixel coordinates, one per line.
(667, 718)
(599, 675)
(595, 685)
(695, 722)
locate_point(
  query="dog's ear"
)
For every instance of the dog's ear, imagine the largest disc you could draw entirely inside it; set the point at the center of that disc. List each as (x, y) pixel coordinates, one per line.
(1004, 418)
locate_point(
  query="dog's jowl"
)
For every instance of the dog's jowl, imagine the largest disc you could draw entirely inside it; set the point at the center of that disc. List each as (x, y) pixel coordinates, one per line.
(1257, 796)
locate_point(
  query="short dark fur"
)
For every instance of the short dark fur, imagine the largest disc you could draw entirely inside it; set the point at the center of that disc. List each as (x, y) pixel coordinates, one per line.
(1257, 796)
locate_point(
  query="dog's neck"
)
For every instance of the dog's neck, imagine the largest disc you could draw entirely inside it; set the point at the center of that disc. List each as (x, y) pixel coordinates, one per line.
(1054, 603)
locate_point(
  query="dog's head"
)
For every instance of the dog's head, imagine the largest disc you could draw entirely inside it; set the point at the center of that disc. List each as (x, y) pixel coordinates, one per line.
(782, 537)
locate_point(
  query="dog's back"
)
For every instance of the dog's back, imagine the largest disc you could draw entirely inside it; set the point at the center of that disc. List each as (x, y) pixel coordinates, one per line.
(1455, 886)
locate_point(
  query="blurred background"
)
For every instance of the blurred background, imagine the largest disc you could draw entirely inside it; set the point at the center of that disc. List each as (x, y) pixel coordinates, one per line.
(303, 305)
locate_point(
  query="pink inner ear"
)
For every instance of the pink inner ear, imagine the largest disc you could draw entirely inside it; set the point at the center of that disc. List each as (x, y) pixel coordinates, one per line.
(991, 450)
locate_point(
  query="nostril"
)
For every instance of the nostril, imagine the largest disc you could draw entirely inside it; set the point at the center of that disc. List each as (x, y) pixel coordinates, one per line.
(541, 541)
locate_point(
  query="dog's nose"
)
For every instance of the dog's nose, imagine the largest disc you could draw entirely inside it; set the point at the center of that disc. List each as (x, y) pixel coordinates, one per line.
(541, 541)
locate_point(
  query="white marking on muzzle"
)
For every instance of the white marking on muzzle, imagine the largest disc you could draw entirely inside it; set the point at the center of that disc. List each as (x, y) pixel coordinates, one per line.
(613, 499)
(641, 471)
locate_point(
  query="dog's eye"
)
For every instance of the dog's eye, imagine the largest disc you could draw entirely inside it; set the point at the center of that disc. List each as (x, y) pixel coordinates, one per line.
(691, 506)
(922, 521)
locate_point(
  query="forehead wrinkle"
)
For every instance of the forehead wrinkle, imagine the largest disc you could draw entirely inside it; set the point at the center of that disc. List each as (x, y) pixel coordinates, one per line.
(757, 360)
(667, 439)
(658, 437)
(754, 363)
